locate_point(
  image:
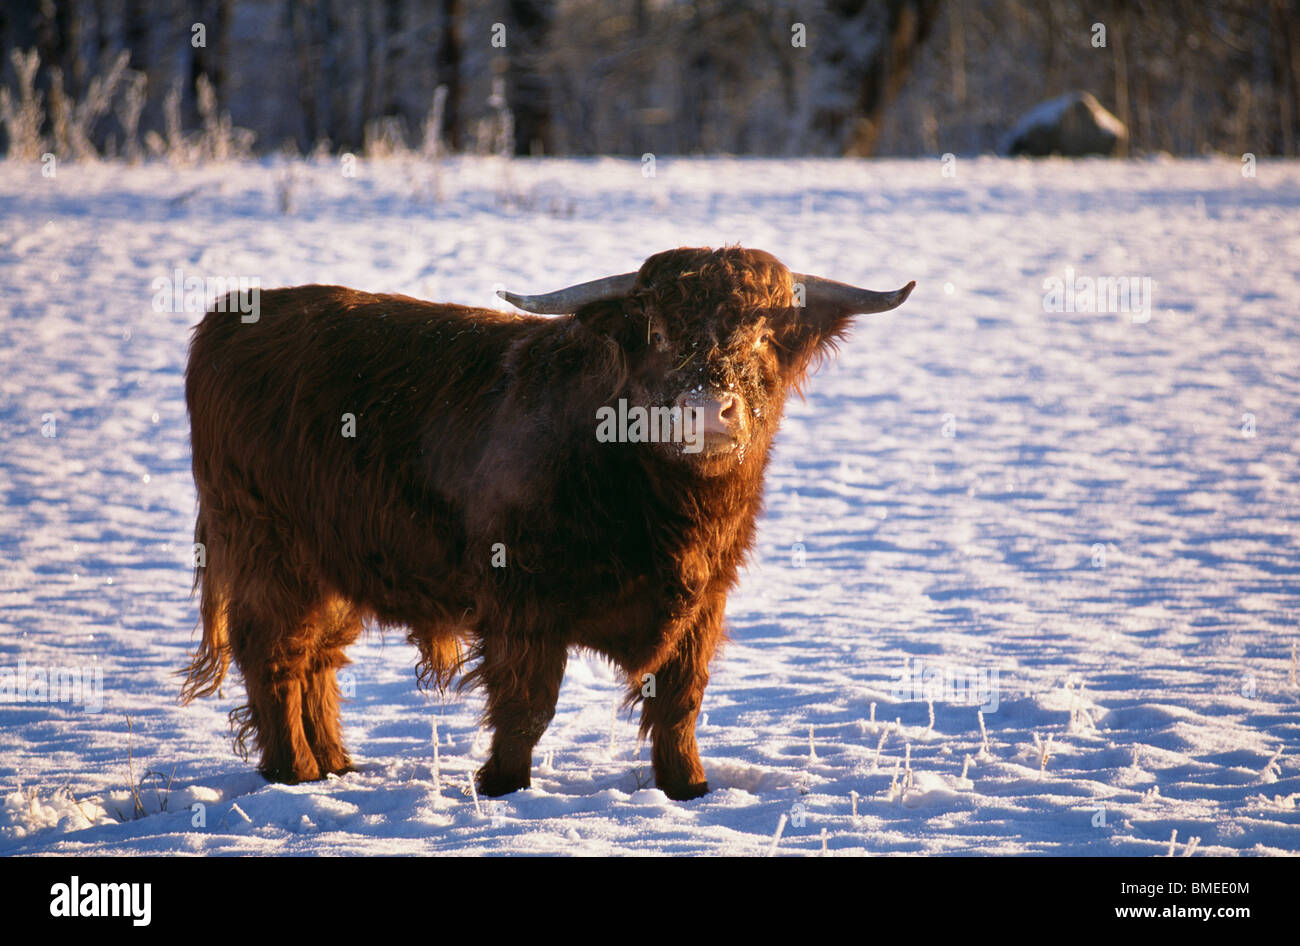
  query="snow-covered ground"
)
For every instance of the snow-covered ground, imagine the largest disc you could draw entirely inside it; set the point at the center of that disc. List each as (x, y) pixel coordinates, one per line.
(1086, 522)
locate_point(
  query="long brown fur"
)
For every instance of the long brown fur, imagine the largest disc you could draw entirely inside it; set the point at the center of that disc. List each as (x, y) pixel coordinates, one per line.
(475, 433)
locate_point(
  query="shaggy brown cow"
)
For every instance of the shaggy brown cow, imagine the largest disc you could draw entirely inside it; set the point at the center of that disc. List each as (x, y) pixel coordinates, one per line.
(457, 472)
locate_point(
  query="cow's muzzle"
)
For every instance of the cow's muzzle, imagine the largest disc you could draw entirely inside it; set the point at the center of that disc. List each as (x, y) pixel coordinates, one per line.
(718, 419)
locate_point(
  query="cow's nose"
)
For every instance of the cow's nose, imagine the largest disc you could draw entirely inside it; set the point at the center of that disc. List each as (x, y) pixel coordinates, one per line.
(721, 414)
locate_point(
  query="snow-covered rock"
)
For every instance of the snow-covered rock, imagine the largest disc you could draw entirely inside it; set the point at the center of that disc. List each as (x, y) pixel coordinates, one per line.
(1072, 125)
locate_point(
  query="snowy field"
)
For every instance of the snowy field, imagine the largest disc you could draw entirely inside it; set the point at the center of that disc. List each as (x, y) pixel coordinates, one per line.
(1082, 527)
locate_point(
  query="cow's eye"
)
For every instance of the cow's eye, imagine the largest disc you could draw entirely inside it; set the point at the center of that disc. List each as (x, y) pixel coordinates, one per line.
(659, 341)
(764, 338)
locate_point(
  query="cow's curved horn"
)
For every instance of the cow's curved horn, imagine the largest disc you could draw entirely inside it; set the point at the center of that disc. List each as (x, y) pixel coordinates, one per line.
(572, 298)
(851, 300)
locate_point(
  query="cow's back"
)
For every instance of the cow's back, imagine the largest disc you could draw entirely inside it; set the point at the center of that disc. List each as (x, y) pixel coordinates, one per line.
(350, 421)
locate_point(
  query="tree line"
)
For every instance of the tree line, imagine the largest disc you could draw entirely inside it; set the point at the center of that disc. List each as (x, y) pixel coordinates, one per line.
(774, 77)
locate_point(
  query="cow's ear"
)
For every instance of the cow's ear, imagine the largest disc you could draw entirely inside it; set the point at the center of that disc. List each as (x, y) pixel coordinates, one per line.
(801, 339)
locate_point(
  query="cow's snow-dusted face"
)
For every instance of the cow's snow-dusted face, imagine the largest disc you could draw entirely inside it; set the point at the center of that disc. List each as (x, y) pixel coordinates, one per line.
(721, 368)
(705, 345)
(702, 338)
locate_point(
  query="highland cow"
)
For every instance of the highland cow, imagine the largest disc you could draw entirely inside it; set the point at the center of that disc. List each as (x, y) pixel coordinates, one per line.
(437, 468)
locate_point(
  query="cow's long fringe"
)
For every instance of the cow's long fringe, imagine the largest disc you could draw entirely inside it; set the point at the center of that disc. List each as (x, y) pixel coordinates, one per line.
(441, 658)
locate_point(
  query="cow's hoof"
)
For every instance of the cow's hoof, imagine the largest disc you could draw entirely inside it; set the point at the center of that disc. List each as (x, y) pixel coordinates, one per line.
(686, 791)
(290, 775)
(494, 785)
(334, 763)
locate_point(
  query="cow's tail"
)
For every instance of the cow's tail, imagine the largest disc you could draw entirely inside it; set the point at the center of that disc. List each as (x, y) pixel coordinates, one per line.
(209, 664)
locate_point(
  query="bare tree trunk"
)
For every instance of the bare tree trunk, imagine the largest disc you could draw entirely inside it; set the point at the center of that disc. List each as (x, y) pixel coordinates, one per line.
(212, 59)
(388, 102)
(307, 71)
(1119, 19)
(958, 51)
(448, 73)
(57, 41)
(373, 54)
(1285, 68)
(528, 90)
(908, 25)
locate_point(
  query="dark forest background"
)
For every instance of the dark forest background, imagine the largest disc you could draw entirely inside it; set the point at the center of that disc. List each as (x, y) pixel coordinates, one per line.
(872, 77)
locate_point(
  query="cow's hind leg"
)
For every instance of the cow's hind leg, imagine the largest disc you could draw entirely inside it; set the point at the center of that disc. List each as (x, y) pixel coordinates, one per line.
(337, 625)
(522, 678)
(287, 643)
(273, 656)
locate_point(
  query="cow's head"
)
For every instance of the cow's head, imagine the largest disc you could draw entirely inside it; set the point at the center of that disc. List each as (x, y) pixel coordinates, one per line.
(720, 335)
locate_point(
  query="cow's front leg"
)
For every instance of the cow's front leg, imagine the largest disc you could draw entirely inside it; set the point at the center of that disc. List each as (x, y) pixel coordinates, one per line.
(522, 678)
(669, 714)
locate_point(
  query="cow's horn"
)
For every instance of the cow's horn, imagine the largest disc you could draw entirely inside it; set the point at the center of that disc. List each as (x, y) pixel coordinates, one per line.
(851, 300)
(572, 298)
